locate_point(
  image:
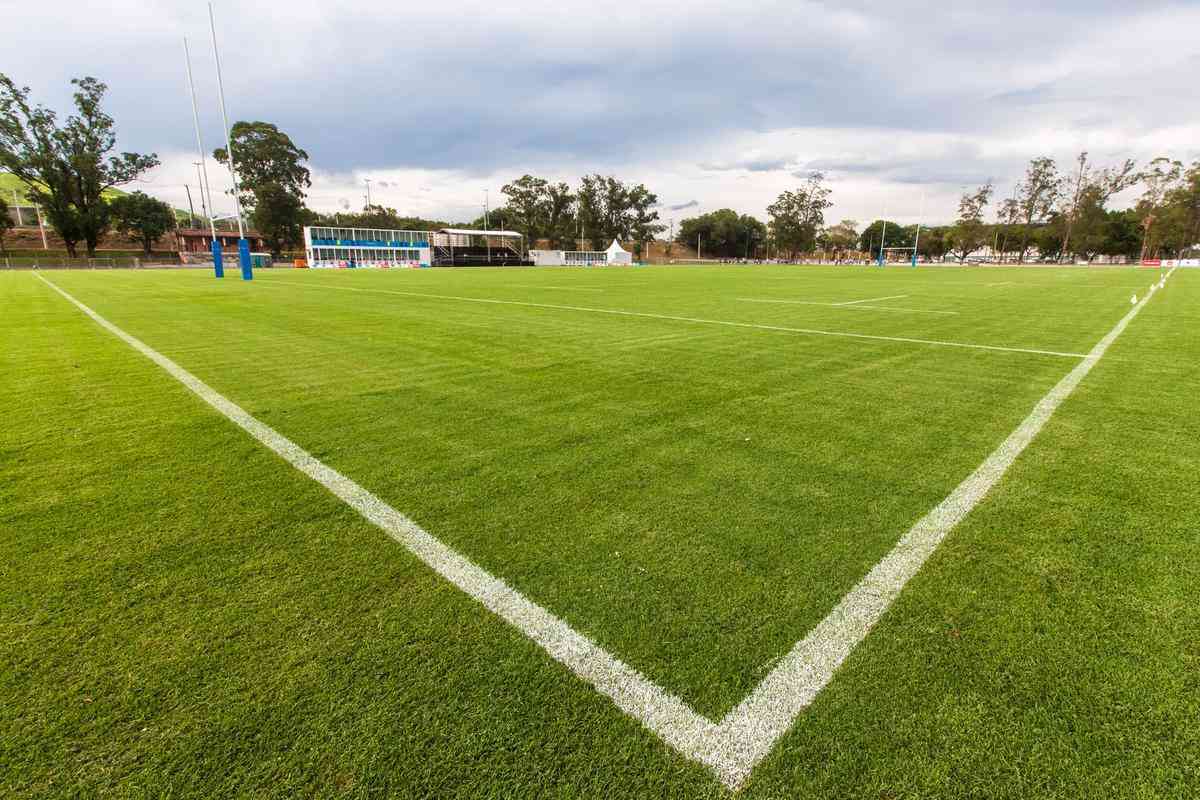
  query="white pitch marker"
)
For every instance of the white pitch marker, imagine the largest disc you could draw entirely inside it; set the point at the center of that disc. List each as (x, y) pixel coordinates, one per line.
(732, 747)
(1133, 299)
(872, 300)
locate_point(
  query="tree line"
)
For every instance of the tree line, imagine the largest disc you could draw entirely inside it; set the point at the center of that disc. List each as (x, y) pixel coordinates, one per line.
(70, 167)
(1050, 215)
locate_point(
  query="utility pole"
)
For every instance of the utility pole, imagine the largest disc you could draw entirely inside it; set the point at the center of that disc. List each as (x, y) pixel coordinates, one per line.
(368, 182)
(191, 208)
(17, 206)
(203, 189)
(697, 247)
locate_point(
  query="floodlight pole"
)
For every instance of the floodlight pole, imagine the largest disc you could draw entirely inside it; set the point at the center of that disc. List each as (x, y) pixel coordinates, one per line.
(243, 245)
(201, 170)
(367, 181)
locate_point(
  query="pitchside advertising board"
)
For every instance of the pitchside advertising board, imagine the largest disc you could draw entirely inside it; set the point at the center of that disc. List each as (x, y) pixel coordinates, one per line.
(1171, 262)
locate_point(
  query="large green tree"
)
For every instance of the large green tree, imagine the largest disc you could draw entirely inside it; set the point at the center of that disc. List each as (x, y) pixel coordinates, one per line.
(797, 215)
(1083, 215)
(969, 231)
(272, 180)
(723, 233)
(1036, 196)
(892, 234)
(1160, 179)
(840, 238)
(142, 217)
(528, 204)
(607, 209)
(67, 168)
(560, 216)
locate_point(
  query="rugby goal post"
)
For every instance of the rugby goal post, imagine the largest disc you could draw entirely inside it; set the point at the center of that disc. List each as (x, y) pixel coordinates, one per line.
(885, 251)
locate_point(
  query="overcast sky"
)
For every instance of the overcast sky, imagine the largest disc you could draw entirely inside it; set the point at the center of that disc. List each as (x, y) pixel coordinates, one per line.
(710, 104)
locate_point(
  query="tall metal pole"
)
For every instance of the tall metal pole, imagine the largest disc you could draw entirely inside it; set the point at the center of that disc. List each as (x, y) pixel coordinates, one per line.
(201, 170)
(917, 237)
(243, 246)
(882, 240)
(368, 182)
(17, 206)
(237, 205)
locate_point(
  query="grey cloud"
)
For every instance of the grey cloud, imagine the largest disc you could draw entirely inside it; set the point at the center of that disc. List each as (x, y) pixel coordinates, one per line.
(564, 95)
(682, 206)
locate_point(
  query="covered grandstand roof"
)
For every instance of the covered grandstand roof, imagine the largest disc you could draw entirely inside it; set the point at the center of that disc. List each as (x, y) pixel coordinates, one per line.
(470, 232)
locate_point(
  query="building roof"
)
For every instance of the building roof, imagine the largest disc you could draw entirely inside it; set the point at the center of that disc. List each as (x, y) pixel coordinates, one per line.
(470, 232)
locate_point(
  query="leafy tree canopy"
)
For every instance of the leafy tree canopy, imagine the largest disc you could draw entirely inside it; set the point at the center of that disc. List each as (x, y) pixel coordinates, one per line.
(67, 168)
(143, 217)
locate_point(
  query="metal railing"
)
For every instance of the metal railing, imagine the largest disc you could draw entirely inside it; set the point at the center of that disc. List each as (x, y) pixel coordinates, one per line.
(63, 262)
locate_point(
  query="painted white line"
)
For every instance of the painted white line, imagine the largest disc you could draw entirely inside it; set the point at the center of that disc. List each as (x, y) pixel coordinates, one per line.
(842, 305)
(661, 712)
(735, 745)
(555, 288)
(1002, 283)
(697, 320)
(873, 300)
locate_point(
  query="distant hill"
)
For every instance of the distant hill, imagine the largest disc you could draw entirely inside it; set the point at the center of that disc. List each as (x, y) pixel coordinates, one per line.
(10, 183)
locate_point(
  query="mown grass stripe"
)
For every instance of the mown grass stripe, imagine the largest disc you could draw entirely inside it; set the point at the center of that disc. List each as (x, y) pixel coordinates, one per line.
(697, 320)
(735, 745)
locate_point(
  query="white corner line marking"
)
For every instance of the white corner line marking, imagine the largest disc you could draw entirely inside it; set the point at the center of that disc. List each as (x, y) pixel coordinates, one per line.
(697, 320)
(846, 306)
(732, 747)
(872, 300)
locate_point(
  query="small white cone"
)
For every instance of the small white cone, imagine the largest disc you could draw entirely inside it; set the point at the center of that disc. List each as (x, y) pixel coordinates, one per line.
(1133, 300)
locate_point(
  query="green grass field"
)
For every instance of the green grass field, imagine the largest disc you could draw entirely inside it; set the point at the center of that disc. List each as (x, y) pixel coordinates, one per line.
(690, 465)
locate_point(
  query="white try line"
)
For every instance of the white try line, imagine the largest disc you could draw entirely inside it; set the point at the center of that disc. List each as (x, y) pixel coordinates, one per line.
(732, 747)
(873, 300)
(697, 320)
(846, 306)
(553, 288)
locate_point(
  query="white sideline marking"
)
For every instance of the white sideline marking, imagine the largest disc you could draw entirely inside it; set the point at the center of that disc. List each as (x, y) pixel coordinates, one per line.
(872, 300)
(735, 745)
(555, 288)
(698, 320)
(846, 306)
